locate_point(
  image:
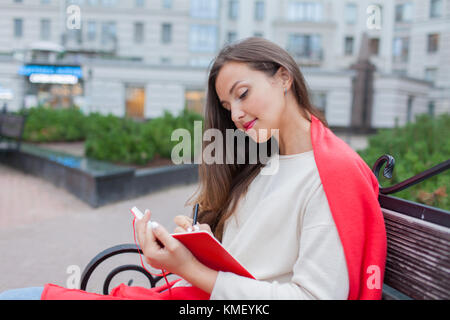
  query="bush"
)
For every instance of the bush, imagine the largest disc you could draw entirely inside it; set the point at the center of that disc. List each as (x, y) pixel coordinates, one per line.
(124, 140)
(45, 124)
(159, 130)
(416, 147)
(109, 138)
(118, 140)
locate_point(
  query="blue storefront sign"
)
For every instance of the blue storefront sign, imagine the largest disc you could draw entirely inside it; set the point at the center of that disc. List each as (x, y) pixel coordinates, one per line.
(30, 69)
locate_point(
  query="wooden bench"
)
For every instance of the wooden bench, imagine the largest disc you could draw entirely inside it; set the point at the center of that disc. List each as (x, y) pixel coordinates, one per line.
(418, 236)
(11, 131)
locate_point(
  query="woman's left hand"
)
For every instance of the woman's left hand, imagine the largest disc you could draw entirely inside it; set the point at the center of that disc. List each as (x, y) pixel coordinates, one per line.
(172, 256)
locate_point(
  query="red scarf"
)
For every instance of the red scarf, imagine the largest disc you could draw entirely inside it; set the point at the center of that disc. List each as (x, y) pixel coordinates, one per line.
(352, 192)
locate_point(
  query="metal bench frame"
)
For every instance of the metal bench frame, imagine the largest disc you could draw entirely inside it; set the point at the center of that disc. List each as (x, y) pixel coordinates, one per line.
(16, 133)
(402, 217)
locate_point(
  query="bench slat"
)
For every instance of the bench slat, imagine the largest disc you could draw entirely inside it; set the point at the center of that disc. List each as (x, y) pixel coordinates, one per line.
(426, 268)
(418, 260)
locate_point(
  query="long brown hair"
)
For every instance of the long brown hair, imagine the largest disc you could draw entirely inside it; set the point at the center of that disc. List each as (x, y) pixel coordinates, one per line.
(221, 186)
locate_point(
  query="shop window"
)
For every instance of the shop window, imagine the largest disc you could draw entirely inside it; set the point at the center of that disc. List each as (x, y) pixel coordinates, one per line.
(135, 101)
(195, 100)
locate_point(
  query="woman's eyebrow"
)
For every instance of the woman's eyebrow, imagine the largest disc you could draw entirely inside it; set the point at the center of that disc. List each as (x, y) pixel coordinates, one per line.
(232, 88)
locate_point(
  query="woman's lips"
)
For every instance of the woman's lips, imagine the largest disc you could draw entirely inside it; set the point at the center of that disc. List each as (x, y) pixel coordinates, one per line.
(249, 124)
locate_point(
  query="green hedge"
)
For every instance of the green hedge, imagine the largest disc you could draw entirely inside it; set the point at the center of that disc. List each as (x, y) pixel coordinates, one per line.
(416, 147)
(109, 138)
(54, 125)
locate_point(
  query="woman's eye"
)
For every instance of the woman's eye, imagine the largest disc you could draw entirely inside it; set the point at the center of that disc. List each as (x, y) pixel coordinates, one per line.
(243, 95)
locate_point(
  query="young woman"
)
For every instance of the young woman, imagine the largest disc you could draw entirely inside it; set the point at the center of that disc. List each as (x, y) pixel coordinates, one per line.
(311, 230)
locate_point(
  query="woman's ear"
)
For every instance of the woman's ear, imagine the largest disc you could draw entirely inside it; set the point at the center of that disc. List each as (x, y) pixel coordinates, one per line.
(284, 77)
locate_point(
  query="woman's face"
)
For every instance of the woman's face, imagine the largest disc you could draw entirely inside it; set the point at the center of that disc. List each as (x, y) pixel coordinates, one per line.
(255, 102)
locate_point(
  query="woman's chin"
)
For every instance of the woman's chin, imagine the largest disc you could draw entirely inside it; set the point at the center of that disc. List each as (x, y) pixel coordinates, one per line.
(258, 135)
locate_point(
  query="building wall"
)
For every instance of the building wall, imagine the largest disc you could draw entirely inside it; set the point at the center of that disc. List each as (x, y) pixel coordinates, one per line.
(167, 71)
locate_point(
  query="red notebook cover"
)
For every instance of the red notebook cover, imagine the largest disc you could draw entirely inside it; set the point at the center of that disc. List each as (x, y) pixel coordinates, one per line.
(210, 252)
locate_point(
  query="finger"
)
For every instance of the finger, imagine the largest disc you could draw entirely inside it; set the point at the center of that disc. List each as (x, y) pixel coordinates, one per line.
(183, 221)
(179, 230)
(141, 227)
(151, 242)
(205, 227)
(169, 242)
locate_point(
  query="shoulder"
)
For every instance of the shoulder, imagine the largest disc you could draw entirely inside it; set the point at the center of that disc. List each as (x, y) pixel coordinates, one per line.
(317, 210)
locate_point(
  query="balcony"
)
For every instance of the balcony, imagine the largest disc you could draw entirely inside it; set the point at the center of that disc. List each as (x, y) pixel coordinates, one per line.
(307, 57)
(77, 43)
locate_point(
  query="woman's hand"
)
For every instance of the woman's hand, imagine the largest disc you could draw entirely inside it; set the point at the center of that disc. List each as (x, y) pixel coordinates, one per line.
(172, 256)
(184, 224)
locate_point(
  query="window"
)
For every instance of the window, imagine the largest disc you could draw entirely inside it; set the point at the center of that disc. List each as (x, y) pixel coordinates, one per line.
(91, 30)
(139, 3)
(319, 100)
(374, 46)
(409, 106)
(167, 4)
(203, 38)
(108, 32)
(165, 60)
(431, 108)
(205, 9)
(403, 12)
(351, 13)
(195, 99)
(45, 1)
(45, 29)
(435, 8)
(304, 11)
(232, 36)
(166, 36)
(259, 10)
(138, 32)
(430, 74)
(109, 3)
(305, 46)
(18, 28)
(135, 101)
(433, 42)
(258, 34)
(348, 46)
(233, 9)
(401, 49)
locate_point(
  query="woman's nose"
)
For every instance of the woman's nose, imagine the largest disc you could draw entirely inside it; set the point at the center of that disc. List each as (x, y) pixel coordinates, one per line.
(237, 114)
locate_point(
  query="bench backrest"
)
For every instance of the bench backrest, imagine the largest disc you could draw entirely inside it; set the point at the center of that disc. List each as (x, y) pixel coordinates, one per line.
(418, 257)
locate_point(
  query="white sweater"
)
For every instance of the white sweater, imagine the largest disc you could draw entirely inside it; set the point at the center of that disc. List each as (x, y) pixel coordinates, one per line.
(283, 233)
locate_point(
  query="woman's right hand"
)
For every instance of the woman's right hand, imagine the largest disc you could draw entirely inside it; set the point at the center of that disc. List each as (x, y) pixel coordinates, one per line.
(184, 224)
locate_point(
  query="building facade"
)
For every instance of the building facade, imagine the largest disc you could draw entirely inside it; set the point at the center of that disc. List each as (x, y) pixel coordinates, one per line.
(140, 57)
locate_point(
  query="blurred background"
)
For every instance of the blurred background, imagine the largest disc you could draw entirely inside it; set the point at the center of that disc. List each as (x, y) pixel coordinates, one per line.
(103, 84)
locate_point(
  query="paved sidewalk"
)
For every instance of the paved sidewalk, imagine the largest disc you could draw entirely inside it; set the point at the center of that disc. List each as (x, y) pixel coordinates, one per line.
(45, 229)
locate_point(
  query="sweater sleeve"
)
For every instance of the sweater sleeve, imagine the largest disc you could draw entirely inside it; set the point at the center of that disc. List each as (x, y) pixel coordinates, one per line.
(320, 271)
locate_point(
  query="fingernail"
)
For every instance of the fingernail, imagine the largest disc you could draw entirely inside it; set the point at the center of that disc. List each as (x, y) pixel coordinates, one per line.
(146, 211)
(196, 228)
(189, 229)
(154, 224)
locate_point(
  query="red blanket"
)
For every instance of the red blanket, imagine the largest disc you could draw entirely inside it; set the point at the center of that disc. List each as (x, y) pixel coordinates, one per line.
(352, 192)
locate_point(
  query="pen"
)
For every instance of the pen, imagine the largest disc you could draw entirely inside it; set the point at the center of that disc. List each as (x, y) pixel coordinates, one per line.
(195, 215)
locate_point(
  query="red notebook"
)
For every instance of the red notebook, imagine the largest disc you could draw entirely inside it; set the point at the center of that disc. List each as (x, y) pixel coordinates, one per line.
(210, 252)
(206, 249)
